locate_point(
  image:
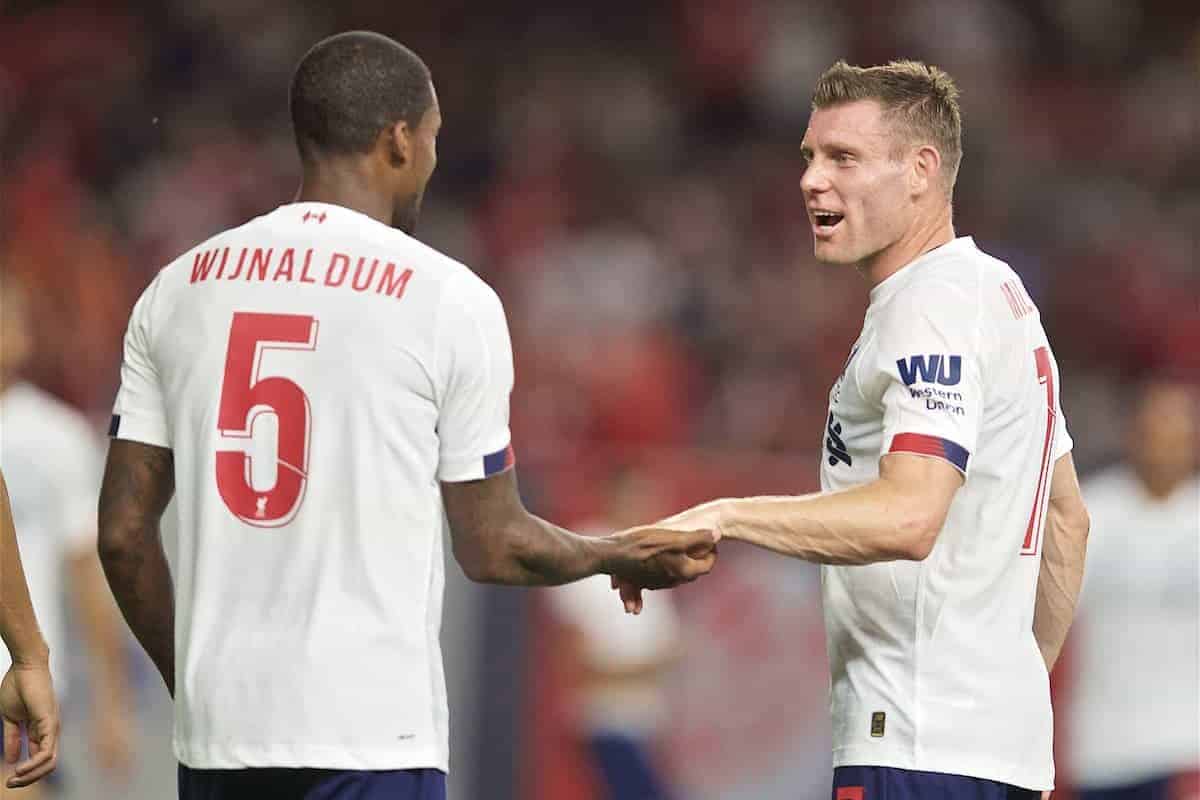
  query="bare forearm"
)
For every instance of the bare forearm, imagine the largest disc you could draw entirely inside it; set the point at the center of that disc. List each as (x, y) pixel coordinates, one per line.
(1063, 551)
(18, 625)
(863, 525)
(534, 552)
(141, 583)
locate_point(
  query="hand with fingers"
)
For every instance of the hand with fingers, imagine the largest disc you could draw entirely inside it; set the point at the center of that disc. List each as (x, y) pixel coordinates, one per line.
(679, 527)
(690, 558)
(660, 559)
(27, 702)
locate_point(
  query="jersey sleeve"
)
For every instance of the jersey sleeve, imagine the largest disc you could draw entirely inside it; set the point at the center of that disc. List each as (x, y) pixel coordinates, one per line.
(1063, 443)
(475, 372)
(139, 413)
(928, 368)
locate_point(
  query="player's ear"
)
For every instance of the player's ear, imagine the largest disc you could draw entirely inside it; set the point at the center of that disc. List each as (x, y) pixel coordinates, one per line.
(927, 166)
(399, 142)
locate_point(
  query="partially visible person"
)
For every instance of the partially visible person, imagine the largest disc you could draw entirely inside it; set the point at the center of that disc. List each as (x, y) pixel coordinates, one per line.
(617, 663)
(51, 457)
(1133, 723)
(27, 702)
(329, 396)
(950, 526)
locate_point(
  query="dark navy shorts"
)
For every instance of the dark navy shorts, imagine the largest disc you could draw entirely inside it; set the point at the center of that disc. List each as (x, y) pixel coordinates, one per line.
(888, 783)
(311, 784)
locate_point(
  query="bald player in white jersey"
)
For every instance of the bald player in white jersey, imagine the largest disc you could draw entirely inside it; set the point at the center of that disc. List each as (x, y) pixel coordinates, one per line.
(304, 383)
(950, 519)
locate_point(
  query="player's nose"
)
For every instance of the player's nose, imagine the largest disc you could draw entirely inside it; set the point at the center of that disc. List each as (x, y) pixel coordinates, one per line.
(815, 179)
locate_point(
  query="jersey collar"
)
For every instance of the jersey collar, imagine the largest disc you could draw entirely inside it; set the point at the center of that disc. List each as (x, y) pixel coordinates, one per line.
(884, 290)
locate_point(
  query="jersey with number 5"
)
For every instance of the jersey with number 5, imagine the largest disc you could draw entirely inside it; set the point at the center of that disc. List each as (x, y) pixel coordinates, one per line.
(934, 663)
(315, 374)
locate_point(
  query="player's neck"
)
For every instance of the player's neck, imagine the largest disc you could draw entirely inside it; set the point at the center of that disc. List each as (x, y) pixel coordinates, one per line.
(922, 238)
(343, 185)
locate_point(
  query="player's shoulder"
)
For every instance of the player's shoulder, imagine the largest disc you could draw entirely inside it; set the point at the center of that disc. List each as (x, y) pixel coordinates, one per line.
(961, 280)
(179, 268)
(960, 267)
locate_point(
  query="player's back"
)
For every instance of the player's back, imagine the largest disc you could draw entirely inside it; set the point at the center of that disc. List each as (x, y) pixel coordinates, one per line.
(935, 663)
(302, 360)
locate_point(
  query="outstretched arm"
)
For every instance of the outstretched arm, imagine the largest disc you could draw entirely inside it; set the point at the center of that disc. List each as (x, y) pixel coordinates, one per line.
(139, 480)
(1064, 545)
(496, 540)
(897, 516)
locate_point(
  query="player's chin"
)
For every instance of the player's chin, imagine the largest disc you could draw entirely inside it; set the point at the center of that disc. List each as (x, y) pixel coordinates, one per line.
(828, 253)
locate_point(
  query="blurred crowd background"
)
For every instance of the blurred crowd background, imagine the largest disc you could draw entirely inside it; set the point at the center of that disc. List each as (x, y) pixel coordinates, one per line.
(626, 174)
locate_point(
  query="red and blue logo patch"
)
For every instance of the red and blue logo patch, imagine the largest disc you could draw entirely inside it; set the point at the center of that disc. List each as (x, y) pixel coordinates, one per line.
(498, 461)
(924, 445)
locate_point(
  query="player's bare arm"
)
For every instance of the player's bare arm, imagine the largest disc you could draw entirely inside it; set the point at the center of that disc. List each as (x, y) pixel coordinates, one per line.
(139, 480)
(895, 517)
(1063, 550)
(496, 540)
(26, 691)
(18, 625)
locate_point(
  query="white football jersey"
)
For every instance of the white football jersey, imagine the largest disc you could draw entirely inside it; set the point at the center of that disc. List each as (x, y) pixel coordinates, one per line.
(316, 374)
(934, 663)
(1135, 645)
(51, 459)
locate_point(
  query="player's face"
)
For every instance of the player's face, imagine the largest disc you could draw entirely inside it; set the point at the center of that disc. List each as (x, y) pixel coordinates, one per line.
(423, 142)
(856, 189)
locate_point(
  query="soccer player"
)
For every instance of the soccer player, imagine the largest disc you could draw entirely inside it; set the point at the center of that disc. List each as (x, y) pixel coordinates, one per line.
(52, 459)
(305, 381)
(1133, 719)
(950, 520)
(26, 692)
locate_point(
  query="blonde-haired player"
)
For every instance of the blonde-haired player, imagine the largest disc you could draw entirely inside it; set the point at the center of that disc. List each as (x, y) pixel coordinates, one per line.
(950, 520)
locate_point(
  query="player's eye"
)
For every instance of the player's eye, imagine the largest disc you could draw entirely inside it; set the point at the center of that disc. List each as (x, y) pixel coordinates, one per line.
(842, 157)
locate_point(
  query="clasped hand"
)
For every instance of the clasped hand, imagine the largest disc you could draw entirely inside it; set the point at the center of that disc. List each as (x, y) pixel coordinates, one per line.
(689, 549)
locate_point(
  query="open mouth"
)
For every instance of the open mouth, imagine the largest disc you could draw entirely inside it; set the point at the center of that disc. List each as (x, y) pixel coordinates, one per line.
(826, 221)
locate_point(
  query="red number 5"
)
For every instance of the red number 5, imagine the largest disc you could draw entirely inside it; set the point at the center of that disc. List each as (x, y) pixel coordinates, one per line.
(248, 401)
(1033, 531)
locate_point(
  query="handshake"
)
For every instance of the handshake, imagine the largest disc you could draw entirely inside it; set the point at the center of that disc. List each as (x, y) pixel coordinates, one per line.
(663, 554)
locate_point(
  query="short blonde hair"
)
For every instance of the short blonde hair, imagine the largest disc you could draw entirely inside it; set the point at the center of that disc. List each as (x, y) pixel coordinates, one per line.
(921, 97)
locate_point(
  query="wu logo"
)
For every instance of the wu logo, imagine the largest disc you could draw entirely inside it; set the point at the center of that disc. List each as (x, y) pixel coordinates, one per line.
(320, 217)
(834, 444)
(946, 370)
